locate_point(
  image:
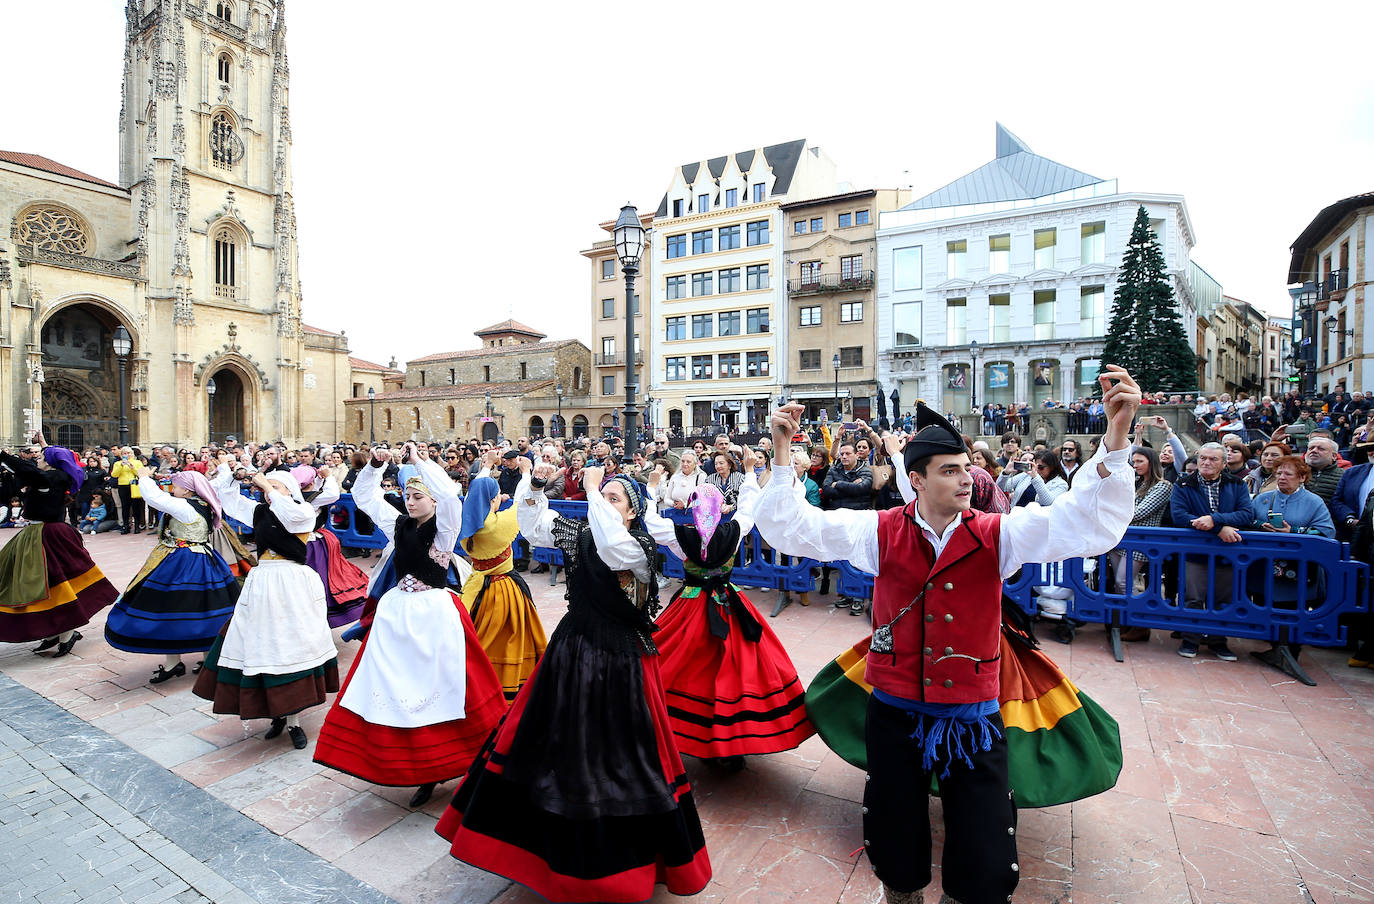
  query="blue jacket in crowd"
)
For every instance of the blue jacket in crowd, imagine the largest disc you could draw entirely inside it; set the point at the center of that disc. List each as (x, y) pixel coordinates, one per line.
(1303, 510)
(1189, 501)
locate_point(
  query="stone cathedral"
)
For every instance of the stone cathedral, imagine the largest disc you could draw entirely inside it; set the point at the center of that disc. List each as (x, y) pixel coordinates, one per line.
(193, 252)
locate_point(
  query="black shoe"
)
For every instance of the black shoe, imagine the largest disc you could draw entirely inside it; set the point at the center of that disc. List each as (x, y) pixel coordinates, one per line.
(421, 795)
(64, 648)
(843, 602)
(199, 665)
(47, 644)
(856, 607)
(538, 568)
(297, 737)
(162, 674)
(124, 530)
(1064, 632)
(278, 724)
(728, 763)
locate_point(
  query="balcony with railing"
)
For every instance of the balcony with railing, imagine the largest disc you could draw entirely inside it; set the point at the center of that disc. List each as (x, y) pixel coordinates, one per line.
(1333, 284)
(818, 283)
(616, 359)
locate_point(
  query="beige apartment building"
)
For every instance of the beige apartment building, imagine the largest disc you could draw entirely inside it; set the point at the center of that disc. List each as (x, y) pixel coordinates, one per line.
(830, 330)
(1329, 275)
(505, 388)
(717, 289)
(603, 396)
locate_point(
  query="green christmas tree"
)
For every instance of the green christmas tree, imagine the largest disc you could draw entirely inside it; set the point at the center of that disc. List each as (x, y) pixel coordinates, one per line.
(1146, 335)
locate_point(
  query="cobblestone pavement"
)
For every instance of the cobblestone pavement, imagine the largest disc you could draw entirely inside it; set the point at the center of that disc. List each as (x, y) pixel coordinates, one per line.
(1239, 787)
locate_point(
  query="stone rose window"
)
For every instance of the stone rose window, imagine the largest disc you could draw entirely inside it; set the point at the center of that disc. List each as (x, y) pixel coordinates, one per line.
(51, 228)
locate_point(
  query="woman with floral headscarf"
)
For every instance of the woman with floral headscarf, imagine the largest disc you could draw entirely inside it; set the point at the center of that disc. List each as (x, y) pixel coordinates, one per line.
(185, 592)
(49, 586)
(731, 688)
(421, 697)
(580, 794)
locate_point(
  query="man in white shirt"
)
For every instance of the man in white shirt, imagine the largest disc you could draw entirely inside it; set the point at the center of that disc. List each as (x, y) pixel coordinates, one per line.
(934, 657)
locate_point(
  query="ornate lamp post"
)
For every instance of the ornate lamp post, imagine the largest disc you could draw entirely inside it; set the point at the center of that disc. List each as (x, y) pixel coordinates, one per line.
(558, 391)
(210, 392)
(123, 344)
(372, 415)
(1305, 322)
(629, 248)
(973, 381)
(839, 415)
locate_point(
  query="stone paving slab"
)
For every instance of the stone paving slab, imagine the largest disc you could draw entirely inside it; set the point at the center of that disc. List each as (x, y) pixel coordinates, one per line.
(1239, 785)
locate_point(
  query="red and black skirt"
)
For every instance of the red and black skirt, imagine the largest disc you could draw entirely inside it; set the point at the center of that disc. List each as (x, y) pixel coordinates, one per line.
(345, 584)
(580, 794)
(731, 688)
(62, 584)
(386, 755)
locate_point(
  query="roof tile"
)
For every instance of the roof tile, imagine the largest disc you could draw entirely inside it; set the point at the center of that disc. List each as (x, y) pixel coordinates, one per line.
(34, 161)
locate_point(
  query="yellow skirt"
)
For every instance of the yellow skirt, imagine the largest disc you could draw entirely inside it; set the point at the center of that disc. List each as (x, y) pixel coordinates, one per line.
(508, 626)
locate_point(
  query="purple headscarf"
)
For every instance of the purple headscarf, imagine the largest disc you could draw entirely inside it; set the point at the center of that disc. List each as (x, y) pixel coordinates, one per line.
(65, 461)
(196, 483)
(706, 503)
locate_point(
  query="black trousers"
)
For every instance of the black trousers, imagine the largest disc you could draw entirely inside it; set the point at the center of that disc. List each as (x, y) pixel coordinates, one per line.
(979, 863)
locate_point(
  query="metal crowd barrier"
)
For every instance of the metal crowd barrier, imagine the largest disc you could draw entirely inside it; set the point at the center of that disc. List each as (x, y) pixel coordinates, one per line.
(1283, 588)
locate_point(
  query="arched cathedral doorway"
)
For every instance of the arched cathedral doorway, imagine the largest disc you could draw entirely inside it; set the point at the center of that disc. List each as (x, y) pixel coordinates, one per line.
(225, 412)
(81, 379)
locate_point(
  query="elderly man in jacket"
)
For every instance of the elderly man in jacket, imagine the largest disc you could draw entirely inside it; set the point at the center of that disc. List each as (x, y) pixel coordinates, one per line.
(1217, 502)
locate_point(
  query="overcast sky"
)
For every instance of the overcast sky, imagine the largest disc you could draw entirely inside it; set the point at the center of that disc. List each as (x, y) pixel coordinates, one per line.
(454, 158)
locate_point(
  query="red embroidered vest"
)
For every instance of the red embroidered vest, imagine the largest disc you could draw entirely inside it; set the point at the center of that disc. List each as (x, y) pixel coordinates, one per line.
(946, 647)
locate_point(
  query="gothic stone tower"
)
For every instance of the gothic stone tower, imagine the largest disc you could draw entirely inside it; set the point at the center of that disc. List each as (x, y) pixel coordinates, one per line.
(205, 152)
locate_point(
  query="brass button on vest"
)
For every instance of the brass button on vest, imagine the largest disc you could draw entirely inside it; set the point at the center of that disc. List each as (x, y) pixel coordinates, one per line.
(949, 586)
(949, 616)
(949, 682)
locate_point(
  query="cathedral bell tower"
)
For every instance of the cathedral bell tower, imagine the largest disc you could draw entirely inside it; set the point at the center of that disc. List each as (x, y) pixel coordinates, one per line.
(205, 150)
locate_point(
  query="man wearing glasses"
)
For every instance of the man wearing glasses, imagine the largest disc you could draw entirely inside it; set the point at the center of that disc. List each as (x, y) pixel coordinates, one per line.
(661, 450)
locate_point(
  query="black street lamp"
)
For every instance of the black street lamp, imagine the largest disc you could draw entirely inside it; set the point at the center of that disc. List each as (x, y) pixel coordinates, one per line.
(558, 391)
(839, 416)
(973, 382)
(372, 415)
(123, 344)
(210, 393)
(629, 247)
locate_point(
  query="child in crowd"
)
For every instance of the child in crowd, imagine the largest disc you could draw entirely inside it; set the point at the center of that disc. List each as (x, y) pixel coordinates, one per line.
(94, 515)
(10, 516)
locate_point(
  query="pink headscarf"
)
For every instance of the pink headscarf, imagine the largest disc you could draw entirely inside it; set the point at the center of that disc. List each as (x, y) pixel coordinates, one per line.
(304, 475)
(706, 503)
(196, 483)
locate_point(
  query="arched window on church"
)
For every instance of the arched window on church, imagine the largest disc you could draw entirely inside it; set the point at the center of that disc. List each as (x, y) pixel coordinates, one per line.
(226, 147)
(224, 10)
(223, 66)
(388, 420)
(50, 228)
(226, 263)
(577, 378)
(452, 418)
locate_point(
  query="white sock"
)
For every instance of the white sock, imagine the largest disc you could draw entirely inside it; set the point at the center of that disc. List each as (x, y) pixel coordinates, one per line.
(293, 721)
(171, 661)
(65, 636)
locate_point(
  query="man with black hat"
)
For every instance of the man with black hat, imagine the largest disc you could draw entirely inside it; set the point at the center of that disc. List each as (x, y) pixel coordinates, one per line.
(934, 657)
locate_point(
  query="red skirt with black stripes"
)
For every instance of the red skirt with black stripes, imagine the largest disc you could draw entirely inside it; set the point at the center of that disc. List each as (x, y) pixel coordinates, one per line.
(730, 696)
(580, 794)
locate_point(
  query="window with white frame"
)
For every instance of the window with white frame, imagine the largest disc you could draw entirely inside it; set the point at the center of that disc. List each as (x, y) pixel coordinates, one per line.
(607, 348)
(1044, 248)
(956, 321)
(999, 254)
(810, 273)
(906, 268)
(956, 254)
(1094, 238)
(1044, 314)
(852, 266)
(1093, 311)
(852, 312)
(999, 315)
(906, 323)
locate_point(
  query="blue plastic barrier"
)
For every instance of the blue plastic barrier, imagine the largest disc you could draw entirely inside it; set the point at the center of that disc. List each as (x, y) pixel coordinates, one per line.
(345, 510)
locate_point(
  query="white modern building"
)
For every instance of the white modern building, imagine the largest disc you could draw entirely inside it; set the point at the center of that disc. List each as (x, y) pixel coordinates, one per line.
(998, 286)
(719, 285)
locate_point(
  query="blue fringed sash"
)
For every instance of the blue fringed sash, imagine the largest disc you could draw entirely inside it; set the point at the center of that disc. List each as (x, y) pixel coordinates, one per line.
(962, 728)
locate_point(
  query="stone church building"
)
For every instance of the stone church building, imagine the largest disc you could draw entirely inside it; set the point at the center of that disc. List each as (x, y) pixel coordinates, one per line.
(192, 251)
